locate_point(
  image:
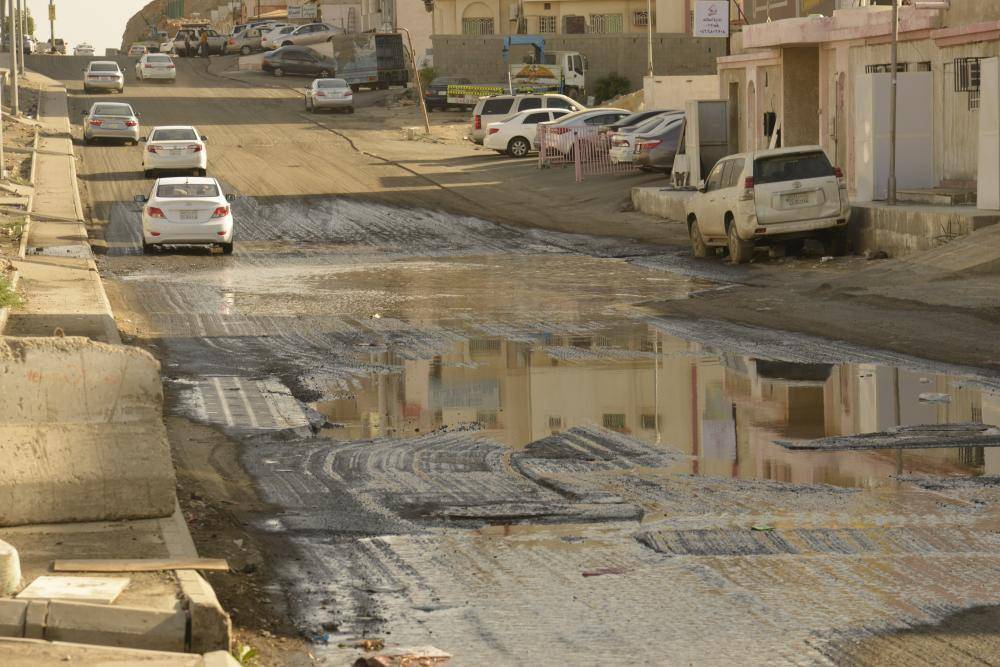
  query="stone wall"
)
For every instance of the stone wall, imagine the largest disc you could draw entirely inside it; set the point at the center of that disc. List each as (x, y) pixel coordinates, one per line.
(481, 58)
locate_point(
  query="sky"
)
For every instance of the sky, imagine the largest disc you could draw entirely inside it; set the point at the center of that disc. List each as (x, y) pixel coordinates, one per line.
(98, 22)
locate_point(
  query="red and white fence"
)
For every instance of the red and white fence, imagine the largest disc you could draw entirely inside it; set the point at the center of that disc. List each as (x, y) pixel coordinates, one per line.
(586, 148)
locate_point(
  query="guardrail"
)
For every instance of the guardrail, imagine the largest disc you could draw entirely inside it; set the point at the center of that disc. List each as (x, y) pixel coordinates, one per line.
(588, 149)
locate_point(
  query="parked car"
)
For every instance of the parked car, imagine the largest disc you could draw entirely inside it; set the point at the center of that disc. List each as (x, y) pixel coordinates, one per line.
(656, 148)
(167, 46)
(765, 197)
(299, 60)
(186, 211)
(28, 45)
(186, 42)
(137, 51)
(499, 107)
(562, 138)
(329, 94)
(103, 75)
(635, 119)
(436, 94)
(111, 120)
(310, 33)
(244, 42)
(272, 40)
(156, 66)
(59, 46)
(517, 135)
(83, 49)
(173, 148)
(623, 140)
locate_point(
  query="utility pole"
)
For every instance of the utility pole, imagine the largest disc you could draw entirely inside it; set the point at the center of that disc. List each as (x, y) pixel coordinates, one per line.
(21, 25)
(891, 197)
(416, 77)
(649, 38)
(15, 108)
(52, 25)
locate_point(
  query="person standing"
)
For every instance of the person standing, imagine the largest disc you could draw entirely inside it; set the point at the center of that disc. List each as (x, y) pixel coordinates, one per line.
(203, 43)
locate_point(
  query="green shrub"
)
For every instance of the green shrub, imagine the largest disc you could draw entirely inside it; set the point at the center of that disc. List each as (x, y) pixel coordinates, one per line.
(610, 87)
(427, 74)
(8, 297)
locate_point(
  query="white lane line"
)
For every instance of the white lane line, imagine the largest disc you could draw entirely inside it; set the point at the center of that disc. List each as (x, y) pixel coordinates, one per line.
(222, 400)
(246, 403)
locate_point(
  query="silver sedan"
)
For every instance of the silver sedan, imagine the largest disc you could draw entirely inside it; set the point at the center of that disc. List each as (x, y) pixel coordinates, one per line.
(111, 120)
(329, 94)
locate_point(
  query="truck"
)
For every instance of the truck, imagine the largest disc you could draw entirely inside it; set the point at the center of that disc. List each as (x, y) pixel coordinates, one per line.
(543, 72)
(373, 60)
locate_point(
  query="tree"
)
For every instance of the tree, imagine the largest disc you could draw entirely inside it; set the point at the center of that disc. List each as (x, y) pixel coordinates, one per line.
(29, 22)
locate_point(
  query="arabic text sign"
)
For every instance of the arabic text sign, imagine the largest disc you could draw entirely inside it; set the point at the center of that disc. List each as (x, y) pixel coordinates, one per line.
(711, 18)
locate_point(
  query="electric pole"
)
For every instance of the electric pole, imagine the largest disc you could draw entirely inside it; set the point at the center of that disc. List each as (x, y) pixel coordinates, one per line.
(891, 197)
(52, 25)
(21, 25)
(15, 109)
(649, 37)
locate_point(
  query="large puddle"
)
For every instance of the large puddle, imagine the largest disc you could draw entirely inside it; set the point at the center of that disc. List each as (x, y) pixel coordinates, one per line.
(723, 409)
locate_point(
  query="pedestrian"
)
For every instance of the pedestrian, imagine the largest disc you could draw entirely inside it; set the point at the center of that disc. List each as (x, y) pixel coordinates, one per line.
(187, 44)
(203, 43)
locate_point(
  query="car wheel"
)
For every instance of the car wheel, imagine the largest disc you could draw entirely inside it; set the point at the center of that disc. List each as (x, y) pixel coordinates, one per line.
(227, 248)
(518, 147)
(278, 71)
(86, 140)
(147, 174)
(698, 246)
(835, 243)
(245, 51)
(740, 251)
(324, 74)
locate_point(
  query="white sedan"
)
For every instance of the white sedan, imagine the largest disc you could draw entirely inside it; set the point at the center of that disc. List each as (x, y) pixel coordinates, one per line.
(158, 66)
(175, 148)
(186, 211)
(516, 135)
(329, 94)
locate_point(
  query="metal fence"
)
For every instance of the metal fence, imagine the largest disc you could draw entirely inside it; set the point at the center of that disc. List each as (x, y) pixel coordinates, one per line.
(586, 148)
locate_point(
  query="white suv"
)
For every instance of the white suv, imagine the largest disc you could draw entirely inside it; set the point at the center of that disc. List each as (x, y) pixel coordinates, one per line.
(775, 196)
(501, 107)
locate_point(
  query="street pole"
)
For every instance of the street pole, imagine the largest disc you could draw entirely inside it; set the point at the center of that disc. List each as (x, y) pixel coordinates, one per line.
(15, 108)
(21, 25)
(52, 25)
(416, 77)
(891, 198)
(649, 37)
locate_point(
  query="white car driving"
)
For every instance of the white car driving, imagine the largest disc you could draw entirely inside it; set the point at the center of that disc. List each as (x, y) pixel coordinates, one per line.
(329, 94)
(772, 196)
(156, 66)
(175, 148)
(103, 75)
(516, 135)
(186, 211)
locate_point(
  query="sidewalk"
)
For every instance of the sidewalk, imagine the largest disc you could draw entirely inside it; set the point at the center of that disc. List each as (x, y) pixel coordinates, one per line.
(69, 453)
(58, 274)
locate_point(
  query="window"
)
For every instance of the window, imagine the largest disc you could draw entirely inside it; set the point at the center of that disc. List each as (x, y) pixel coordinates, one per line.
(548, 5)
(555, 423)
(640, 17)
(714, 181)
(602, 24)
(614, 422)
(174, 135)
(477, 26)
(547, 24)
(649, 422)
(496, 106)
(529, 103)
(578, 64)
(559, 114)
(797, 166)
(188, 190)
(557, 103)
(488, 420)
(112, 110)
(331, 83)
(733, 171)
(574, 25)
(104, 67)
(535, 118)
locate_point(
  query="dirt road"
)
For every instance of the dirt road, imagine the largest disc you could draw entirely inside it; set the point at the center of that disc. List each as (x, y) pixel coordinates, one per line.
(400, 419)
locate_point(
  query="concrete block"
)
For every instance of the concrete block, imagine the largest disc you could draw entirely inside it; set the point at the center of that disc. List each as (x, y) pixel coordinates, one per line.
(219, 659)
(12, 616)
(662, 202)
(211, 627)
(94, 590)
(35, 618)
(903, 229)
(10, 569)
(153, 629)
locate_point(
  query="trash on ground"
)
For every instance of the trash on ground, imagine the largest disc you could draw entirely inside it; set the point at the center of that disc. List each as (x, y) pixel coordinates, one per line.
(932, 397)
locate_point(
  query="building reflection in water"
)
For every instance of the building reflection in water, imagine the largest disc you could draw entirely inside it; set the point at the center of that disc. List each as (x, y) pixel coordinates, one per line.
(723, 409)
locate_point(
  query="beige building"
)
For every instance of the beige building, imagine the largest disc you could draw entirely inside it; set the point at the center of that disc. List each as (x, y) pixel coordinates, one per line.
(823, 78)
(558, 17)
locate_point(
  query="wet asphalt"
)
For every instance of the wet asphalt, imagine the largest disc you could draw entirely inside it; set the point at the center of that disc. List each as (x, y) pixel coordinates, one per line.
(472, 436)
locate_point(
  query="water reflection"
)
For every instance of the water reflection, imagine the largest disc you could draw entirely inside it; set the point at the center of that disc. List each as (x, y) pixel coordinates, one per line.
(723, 409)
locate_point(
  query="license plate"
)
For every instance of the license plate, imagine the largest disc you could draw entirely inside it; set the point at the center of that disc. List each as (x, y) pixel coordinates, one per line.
(798, 199)
(115, 126)
(189, 215)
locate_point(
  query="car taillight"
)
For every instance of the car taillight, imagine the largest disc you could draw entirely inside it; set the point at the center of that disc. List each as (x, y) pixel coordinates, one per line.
(479, 122)
(147, 66)
(320, 93)
(153, 149)
(97, 123)
(747, 189)
(195, 148)
(649, 145)
(838, 172)
(494, 130)
(232, 41)
(220, 212)
(131, 123)
(170, 66)
(154, 212)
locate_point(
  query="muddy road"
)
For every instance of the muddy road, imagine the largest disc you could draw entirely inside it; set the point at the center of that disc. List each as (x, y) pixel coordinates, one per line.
(401, 418)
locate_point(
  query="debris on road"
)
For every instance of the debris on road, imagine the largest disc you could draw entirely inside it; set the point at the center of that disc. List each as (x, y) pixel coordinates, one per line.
(417, 656)
(926, 436)
(932, 397)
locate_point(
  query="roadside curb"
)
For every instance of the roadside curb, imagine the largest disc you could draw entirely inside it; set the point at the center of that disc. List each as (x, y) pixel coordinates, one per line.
(22, 249)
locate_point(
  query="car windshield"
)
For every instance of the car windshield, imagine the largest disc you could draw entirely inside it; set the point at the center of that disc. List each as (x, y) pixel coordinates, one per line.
(187, 190)
(179, 134)
(103, 67)
(794, 167)
(112, 110)
(331, 83)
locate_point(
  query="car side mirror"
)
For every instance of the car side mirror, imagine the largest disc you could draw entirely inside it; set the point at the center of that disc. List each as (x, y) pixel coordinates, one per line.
(702, 187)
(140, 199)
(204, 138)
(231, 198)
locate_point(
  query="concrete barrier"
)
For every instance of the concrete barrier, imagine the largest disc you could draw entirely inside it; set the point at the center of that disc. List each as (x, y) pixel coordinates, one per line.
(905, 228)
(662, 202)
(81, 433)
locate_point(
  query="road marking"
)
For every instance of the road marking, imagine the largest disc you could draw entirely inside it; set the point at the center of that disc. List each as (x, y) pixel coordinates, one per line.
(222, 399)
